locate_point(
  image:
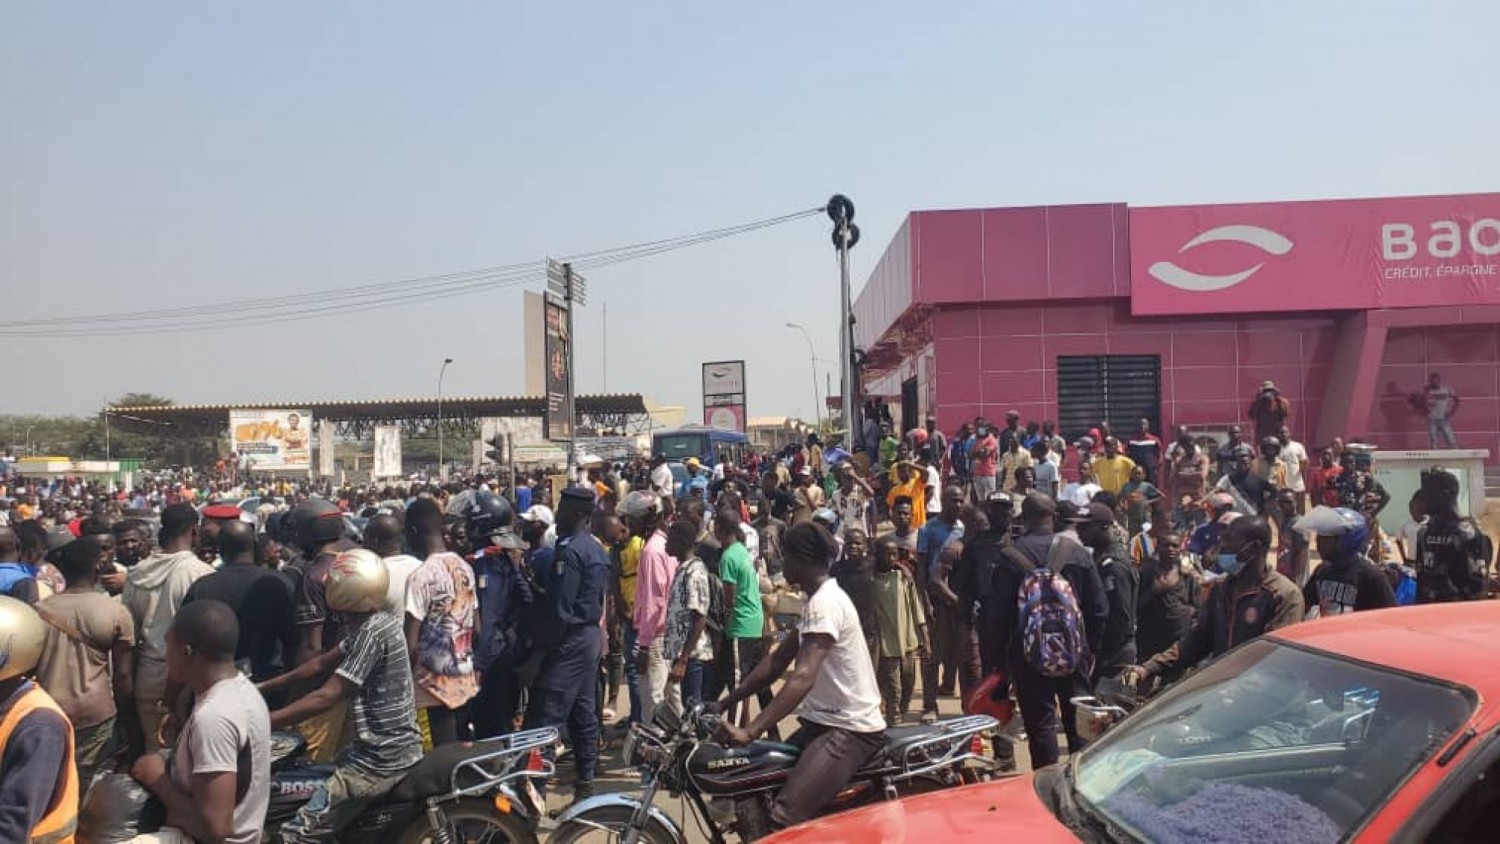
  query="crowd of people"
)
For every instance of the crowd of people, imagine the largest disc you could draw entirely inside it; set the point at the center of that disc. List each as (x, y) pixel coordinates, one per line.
(821, 581)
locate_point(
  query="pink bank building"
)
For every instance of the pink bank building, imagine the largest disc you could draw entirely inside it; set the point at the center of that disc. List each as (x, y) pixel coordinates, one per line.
(1178, 314)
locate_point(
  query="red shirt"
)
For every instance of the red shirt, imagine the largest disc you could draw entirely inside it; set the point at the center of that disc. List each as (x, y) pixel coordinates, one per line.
(1320, 485)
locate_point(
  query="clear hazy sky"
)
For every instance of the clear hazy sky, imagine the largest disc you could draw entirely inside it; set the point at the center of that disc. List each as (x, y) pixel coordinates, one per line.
(164, 154)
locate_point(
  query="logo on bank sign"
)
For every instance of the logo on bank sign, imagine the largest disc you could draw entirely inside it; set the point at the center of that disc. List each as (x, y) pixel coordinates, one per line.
(1266, 240)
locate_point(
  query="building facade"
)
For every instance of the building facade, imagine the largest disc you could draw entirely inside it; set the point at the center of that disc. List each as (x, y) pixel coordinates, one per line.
(1103, 312)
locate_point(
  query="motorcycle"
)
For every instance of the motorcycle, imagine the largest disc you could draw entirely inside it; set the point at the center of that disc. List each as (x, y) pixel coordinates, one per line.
(733, 788)
(459, 792)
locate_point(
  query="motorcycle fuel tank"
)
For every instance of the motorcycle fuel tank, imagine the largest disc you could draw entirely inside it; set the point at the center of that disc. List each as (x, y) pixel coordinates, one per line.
(734, 770)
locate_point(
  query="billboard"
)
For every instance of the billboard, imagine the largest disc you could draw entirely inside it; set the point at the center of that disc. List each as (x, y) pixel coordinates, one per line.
(1348, 254)
(728, 416)
(724, 394)
(273, 440)
(559, 375)
(387, 462)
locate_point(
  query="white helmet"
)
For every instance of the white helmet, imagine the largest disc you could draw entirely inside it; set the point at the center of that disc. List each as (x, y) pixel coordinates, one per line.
(357, 582)
(22, 636)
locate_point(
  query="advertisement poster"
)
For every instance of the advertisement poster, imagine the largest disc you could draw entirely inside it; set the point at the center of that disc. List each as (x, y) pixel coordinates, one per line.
(730, 417)
(724, 394)
(387, 452)
(272, 440)
(559, 363)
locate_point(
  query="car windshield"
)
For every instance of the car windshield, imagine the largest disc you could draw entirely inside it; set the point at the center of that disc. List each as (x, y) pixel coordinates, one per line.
(1268, 739)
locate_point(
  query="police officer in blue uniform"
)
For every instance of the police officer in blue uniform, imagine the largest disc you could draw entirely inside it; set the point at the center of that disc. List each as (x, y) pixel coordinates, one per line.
(504, 597)
(567, 638)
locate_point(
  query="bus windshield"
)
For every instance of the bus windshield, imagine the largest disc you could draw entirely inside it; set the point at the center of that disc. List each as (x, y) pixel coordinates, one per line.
(682, 446)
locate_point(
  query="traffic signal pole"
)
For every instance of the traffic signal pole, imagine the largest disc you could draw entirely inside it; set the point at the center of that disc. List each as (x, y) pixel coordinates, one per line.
(845, 235)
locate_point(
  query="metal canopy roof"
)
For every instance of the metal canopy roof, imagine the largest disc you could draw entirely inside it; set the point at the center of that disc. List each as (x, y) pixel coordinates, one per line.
(355, 417)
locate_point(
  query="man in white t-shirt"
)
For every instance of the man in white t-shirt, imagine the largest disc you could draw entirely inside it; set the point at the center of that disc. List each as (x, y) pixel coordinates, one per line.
(383, 535)
(832, 689)
(1294, 457)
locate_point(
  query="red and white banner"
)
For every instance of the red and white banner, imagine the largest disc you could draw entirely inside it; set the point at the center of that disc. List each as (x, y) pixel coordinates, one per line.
(1322, 255)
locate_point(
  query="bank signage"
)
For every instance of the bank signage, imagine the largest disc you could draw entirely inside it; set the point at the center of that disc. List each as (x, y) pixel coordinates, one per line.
(1322, 255)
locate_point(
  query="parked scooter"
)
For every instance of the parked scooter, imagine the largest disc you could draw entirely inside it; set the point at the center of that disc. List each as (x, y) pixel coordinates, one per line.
(733, 788)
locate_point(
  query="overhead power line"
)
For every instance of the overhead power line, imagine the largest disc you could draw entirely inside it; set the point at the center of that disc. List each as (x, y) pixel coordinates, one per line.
(361, 298)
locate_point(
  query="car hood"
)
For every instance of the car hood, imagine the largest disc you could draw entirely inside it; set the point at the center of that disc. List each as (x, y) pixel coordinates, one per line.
(1007, 809)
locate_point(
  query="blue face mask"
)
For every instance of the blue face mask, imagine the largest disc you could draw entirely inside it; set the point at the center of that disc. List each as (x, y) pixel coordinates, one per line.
(1230, 564)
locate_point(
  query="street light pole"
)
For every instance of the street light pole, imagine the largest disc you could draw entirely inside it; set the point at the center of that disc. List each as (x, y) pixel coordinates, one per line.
(442, 467)
(812, 356)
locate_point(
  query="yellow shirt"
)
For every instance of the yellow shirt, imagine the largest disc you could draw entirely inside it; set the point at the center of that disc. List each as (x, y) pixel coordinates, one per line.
(630, 563)
(1112, 473)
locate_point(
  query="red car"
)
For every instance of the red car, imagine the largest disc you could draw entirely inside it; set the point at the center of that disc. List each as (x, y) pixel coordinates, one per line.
(1379, 726)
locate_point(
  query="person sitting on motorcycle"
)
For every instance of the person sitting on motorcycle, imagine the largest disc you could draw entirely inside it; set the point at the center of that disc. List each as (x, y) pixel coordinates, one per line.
(219, 785)
(832, 689)
(370, 667)
(38, 774)
(1348, 581)
(1251, 600)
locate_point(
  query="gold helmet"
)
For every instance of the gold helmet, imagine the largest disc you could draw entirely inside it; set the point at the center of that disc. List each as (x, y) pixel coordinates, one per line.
(357, 581)
(22, 635)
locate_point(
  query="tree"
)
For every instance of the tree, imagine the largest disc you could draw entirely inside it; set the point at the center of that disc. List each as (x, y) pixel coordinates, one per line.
(141, 400)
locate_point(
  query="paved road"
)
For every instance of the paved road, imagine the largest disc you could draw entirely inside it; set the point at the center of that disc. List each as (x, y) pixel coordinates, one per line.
(614, 777)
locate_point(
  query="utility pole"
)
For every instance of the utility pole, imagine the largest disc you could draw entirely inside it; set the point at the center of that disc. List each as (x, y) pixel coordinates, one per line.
(569, 289)
(845, 236)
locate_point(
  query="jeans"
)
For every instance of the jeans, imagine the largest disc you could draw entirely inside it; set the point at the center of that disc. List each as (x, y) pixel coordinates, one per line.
(632, 674)
(341, 799)
(691, 689)
(1441, 429)
(896, 676)
(830, 758)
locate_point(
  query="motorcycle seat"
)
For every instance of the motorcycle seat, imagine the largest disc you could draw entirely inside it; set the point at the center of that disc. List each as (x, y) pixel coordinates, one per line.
(434, 774)
(898, 739)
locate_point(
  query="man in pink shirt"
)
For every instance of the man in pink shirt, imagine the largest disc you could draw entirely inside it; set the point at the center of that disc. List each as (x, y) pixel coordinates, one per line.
(984, 461)
(642, 512)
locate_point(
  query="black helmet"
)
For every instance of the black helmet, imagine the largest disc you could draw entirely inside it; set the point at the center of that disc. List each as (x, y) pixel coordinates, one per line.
(489, 513)
(313, 523)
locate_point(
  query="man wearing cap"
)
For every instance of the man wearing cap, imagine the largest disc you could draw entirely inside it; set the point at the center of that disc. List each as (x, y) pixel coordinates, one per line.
(568, 639)
(1268, 411)
(696, 479)
(1231, 451)
(504, 594)
(642, 512)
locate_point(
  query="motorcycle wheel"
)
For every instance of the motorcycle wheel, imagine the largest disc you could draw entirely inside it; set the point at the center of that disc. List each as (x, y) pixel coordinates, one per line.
(607, 825)
(472, 819)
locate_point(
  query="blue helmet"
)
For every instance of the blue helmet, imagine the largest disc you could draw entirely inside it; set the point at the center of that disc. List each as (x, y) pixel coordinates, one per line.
(1348, 525)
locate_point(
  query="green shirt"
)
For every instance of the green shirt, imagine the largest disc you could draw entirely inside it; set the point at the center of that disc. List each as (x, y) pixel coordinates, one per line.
(735, 567)
(888, 448)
